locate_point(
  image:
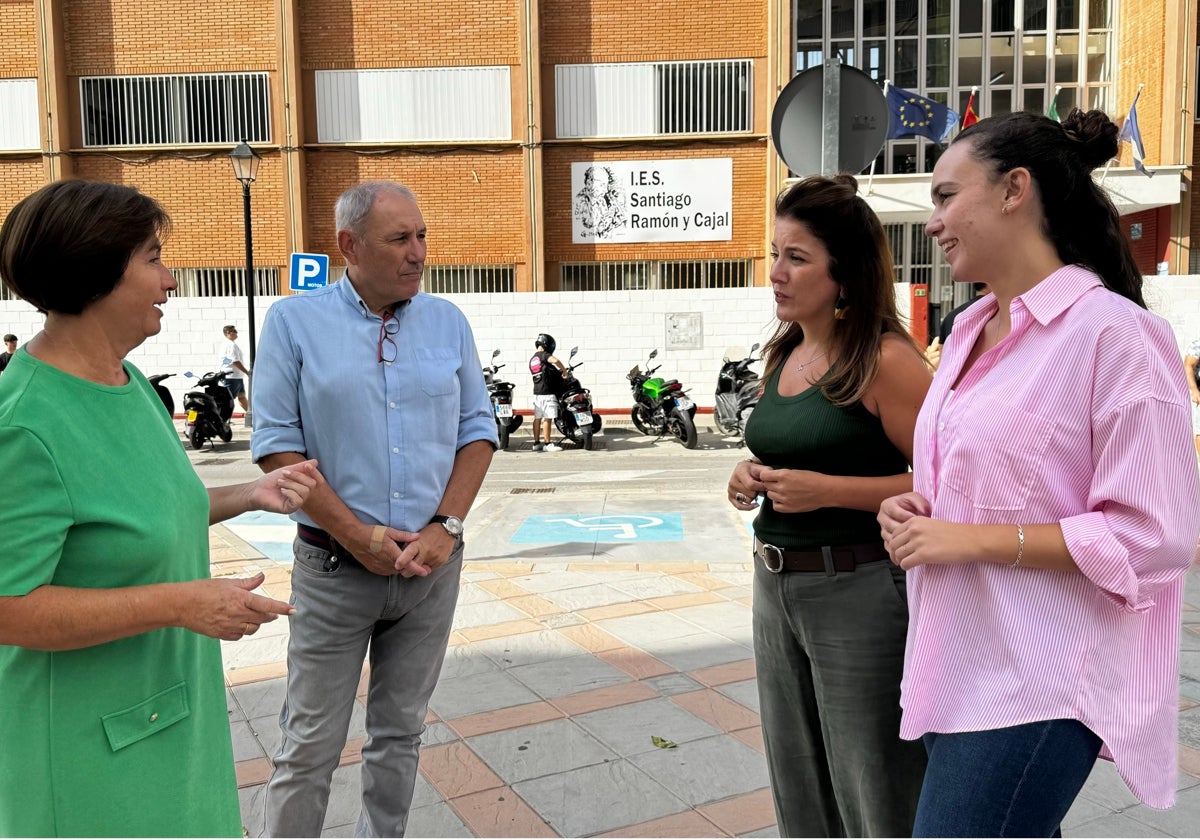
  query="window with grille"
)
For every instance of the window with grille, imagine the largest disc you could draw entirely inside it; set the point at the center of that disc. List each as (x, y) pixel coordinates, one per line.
(655, 274)
(653, 98)
(414, 104)
(18, 105)
(225, 282)
(175, 110)
(465, 279)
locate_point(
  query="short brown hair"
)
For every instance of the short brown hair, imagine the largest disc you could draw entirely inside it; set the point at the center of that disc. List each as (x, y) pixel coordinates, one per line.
(68, 244)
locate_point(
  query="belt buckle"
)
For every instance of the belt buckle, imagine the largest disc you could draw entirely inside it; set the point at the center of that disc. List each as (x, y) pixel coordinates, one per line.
(770, 552)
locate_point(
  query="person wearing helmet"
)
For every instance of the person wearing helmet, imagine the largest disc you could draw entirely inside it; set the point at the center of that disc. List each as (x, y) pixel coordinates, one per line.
(548, 383)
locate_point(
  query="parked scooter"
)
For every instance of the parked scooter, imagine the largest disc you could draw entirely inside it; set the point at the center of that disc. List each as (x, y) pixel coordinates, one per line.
(208, 410)
(661, 405)
(738, 392)
(576, 419)
(501, 395)
(163, 393)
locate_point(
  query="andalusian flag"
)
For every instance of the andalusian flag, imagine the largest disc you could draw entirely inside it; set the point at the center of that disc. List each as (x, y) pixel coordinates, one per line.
(1053, 112)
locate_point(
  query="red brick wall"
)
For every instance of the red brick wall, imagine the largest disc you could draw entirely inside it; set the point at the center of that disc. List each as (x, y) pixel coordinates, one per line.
(18, 39)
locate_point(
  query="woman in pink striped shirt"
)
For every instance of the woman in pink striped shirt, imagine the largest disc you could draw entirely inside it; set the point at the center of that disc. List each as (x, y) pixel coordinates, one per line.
(1053, 513)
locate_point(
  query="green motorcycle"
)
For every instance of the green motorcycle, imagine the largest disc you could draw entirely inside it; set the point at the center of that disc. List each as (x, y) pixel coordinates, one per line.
(661, 406)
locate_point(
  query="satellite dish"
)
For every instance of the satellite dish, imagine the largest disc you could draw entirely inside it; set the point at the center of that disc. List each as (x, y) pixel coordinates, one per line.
(829, 119)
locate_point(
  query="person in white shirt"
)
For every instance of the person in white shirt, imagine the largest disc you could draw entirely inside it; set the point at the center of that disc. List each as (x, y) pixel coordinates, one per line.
(234, 365)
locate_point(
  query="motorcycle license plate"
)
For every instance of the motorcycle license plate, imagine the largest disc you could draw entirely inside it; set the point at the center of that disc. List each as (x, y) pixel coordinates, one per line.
(683, 402)
(504, 411)
(582, 418)
(192, 416)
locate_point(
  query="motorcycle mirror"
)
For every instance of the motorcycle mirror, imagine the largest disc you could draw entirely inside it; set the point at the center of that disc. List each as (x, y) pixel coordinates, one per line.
(189, 374)
(753, 347)
(495, 353)
(654, 353)
(574, 350)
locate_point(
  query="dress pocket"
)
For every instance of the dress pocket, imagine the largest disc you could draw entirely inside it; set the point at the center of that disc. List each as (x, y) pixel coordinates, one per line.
(438, 370)
(151, 716)
(998, 455)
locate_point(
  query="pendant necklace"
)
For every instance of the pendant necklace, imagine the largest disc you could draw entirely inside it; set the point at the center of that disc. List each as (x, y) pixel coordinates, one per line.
(800, 366)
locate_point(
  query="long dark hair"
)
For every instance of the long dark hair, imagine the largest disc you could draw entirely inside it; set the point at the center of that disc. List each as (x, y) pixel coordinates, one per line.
(1078, 216)
(860, 262)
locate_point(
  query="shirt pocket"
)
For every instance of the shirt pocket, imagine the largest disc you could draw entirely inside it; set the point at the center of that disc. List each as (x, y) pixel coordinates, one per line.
(438, 370)
(152, 715)
(999, 455)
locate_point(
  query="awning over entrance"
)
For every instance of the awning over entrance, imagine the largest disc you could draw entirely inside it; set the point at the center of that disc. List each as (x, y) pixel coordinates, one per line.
(905, 198)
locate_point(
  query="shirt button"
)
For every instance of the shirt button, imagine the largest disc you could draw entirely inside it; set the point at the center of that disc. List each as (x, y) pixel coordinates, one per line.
(391, 405)
(154, 717)
(395, 450)
(395, 495)
(941, 426)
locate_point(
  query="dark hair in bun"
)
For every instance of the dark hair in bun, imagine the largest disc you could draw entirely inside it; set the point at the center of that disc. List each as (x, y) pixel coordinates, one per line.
(1080, 219)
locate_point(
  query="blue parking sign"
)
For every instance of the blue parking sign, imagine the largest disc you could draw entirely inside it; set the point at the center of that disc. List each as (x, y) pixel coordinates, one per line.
(308, 271)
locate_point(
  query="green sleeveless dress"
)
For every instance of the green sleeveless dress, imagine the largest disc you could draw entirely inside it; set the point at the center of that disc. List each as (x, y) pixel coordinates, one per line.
(807, 432)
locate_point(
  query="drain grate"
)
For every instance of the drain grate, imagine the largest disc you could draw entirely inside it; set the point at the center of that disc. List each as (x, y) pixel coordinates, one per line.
(518, 490)
(216, 462)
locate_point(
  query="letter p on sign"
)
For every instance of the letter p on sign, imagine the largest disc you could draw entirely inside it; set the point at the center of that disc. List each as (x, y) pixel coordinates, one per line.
(308, 271)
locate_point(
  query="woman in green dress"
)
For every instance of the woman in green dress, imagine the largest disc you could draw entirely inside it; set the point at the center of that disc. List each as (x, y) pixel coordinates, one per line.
(112, 701)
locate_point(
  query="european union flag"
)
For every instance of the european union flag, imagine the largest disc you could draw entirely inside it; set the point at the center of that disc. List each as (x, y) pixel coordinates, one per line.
(912, 115)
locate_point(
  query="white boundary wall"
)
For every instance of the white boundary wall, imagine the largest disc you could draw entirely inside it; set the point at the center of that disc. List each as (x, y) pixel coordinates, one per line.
(614, 331)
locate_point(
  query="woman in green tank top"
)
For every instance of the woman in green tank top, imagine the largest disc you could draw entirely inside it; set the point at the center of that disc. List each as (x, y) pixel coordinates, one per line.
(832, 438)
(112, 700)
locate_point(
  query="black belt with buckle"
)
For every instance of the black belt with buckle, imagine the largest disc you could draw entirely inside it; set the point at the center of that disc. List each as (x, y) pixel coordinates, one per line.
(318, 538)
(829, 559)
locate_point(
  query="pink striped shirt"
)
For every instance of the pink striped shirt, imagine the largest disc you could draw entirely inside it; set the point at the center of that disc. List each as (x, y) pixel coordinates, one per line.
(1081, 417)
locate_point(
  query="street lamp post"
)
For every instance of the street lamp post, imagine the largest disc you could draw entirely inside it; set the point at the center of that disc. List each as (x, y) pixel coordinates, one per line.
(245, 168)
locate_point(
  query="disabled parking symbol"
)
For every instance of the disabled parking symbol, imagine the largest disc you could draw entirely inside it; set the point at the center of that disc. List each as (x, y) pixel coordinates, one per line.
(605, 528)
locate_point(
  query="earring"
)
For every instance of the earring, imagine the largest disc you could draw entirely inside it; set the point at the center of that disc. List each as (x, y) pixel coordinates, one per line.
(839, 309)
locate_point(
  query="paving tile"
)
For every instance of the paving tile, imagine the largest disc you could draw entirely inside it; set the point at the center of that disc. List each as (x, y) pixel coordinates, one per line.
(730, 672)
(690, 599)
(1116, 825)
(773, 831)
(1189, 728)
(255, 673)
(604, 698)
(1179, 821)
(744, 693)
(536, 606)
(670, 684)
(725, 619)
(615, 611)
(1082, 810)
(438, 733)
(561, 620)
(686, 824)
(645, 630)
(635, 663)
(510, 718)
(346, 830)
(465, 661)
(436, 820)
(587, 597)
(345, 796)
(503, 588)
(628, 729)
(1105, 787)
(542, 749)
(752, 737)
(656, 587)
(741, 814)
(253, 772)
(529, 648)
(486, 692)
(266, 730)
(477, 574)
(231, 706)
(553, 581)
(455, 770)
(740, 594)
(470, 593)
(253, 806)
(424, 794)
(598, 798)
(717, 709)
(705, 771)
(245, 746)
(261, 698)
(703, 580)
(495, 631)
(500, 813)
(701, 650)
(591, 638)
(568, 676)
(254, 650)
(484, 614)
(352, 752)
(1189, 761)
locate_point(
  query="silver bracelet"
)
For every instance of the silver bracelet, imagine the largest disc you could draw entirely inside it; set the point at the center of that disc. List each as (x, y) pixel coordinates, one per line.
(1020, 547)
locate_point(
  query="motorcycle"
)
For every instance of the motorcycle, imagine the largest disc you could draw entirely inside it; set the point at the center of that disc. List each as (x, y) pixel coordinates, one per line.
(661, 405)
(576, 419)
(208, 410)
(738, 392)
(501, 395)
(163, 393)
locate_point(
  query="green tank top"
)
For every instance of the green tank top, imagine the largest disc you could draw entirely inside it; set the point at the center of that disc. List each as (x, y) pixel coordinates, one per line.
(807, 432)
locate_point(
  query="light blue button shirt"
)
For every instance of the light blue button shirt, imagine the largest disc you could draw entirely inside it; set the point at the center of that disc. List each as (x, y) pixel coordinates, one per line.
(385, 433)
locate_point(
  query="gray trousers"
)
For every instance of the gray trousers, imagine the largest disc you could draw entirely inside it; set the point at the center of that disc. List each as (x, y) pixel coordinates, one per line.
(829, 652)
(340, 614)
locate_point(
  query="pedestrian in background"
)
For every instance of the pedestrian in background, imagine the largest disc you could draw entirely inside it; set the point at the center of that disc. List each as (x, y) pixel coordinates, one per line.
(1191, 361)
(112, 698)
(402, 423)
(831, 439)
(10, 348)
(234, 365)
(548, 384)
(1054, 510)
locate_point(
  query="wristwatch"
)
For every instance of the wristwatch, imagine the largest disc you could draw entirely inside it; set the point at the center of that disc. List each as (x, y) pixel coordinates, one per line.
(452, 524)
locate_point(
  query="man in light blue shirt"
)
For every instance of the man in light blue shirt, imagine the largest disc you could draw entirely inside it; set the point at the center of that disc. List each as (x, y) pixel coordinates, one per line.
(382, 385)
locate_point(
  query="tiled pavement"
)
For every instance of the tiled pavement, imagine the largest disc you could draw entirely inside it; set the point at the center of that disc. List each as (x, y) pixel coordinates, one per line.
(559, 676)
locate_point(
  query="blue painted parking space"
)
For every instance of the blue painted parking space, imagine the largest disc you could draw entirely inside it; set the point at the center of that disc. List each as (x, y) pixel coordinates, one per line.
(270, 533)
(601, 528)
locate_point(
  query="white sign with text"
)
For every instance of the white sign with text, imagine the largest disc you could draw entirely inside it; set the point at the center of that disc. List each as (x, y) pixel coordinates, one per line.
(652, 200)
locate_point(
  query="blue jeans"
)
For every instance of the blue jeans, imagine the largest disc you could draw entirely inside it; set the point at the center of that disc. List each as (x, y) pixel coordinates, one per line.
(1019, 781)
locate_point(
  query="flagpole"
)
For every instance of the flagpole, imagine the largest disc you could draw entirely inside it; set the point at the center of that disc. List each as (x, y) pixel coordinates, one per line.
(871, 177)
(1132, 105)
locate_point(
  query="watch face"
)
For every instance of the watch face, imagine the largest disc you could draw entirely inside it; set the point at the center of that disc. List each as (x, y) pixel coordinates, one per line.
(453, 526)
